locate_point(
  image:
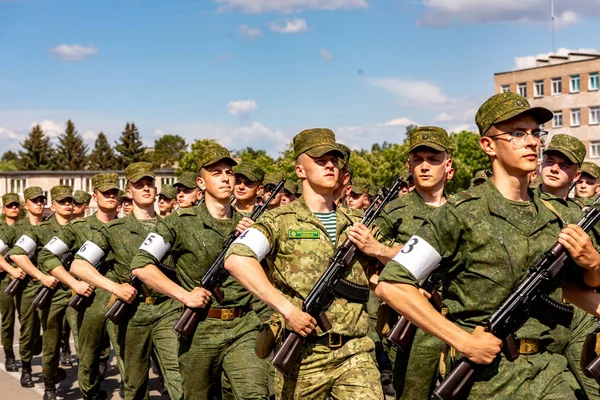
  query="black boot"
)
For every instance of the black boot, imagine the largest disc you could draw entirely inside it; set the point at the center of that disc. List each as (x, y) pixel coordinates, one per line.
(65, 357)
(10, 363)
(102, 369)
(49, 390)
(122, 390)
(26, 379)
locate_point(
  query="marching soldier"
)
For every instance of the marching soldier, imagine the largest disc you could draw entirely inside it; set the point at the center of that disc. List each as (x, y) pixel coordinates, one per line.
(359, 197)
(587, 185)
(188, 192)
(81, 202)
(289, 192)
(248, 182)
(167, 199)
(269, 183)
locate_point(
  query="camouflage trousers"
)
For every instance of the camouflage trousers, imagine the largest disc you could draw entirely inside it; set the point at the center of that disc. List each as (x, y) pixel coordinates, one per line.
(344, 373)
(28, 318)
(223, 348)
(70, 328)
(149, 327)
(7, 310)
(52, 319)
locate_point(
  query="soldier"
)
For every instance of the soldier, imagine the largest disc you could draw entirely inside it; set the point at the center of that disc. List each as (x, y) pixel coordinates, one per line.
(167, 199)
(149, 320)
(248, 182)
(479, 178)
(587, 184)
(188, 192)
(342, 188)
(11, 207)
(51, 317)
(269, 183)
(289, 192)
(297, 241)
(359, 197)
(126, 203)
(483, 241)
(90, 326)
(81, 202)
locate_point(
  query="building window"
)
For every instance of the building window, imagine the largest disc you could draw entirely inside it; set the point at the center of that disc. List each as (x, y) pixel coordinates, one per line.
(18, 185)
(88, 186)
(558, 119)
(594, 115)
(556, 86)
(595, 149)
(522, 89)
(167, 181)
(593, 81)
(505, 88)
(575, 117)
(122, 183)
(67, 181)
(575, 84)
(539, 88)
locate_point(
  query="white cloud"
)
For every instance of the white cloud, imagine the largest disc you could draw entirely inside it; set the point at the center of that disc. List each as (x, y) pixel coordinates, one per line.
(463, 127)
(529, 61)
(242, 108)
(399, 122)
(89, 135)
(50, 128)
(444, 116)
(294, 25)
(73, 52)
(248, 32)
(364, 136)
(287, 6)
(412, 91)
(326, 55)
(158, 132)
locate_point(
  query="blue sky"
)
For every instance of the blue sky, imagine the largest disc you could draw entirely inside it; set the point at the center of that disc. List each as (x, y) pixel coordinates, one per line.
(256, 72)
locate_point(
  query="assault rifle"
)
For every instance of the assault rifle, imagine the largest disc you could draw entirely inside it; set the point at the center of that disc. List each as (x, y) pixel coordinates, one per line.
(215, 276)
(529, 299)
(590, 360)
(331, 285)
(44, 296)
(79, 303)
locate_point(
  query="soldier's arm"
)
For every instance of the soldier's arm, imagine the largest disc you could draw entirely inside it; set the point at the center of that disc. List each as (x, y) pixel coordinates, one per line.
(366, 242)
(581, 249)
(6, 240)
(583, 297)
(25, 246)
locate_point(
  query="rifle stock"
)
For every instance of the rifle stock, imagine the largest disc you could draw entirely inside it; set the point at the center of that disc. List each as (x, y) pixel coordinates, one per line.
(13, 287)
(116, 312)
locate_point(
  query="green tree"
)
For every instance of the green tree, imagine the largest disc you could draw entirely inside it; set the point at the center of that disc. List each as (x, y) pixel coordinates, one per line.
(259, 157)
(188, 161)
(71, 150)
(8, 166)
(10, 156)
(168, 150)
(129, 147)
(286, 163)
(467, 157)
(103, 157)
(38, 153)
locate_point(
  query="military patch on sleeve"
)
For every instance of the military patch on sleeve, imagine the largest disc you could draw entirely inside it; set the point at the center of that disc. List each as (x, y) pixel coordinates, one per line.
(304, 234)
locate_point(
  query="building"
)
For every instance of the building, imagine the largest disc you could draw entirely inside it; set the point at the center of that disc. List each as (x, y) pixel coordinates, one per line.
(17, 181)
(567, 85)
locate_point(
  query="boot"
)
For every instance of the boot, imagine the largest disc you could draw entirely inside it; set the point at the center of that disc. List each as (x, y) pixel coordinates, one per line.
(49, 390)
(387, 383)
(102, 367)
(61, 375)
(26, 379)
(122, 390)
(10, 363)
(65, 357)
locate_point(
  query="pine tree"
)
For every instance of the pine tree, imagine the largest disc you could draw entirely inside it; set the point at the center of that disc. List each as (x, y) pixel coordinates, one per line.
(103, 156)
(168, 150)
(129, 147)
(38, 152)
(71, 150)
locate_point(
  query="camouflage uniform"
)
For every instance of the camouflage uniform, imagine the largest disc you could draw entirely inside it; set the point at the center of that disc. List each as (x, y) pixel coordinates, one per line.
(299, 248)
(148, 324)
(7, 303)
(252, 172)
(592, 170)
(224, 344)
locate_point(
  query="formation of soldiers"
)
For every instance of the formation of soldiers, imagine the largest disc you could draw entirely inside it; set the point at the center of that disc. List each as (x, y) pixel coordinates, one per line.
(148, 265)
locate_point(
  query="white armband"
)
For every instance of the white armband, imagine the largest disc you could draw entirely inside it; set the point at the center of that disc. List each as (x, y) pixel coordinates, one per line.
(155, 245)
(256, 241)
(91, 253)
(419, 257)
(27, 244)
(3, 247)
(56, 246)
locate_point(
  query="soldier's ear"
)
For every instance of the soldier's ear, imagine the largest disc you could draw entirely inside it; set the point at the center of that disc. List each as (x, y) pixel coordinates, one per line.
(576, 177)
(488, 145)
(201, 184)
(300, 172)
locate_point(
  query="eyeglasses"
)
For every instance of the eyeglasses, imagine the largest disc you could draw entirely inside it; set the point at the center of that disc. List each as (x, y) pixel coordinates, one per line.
(518, 138)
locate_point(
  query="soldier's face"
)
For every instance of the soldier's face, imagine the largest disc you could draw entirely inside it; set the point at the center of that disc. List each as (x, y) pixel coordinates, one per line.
(245, 189)
(127, 207)
(142, 192)
(35, 206)
(322, 173)
(165, 205)
(64, 207)
(557, 170)
(108, 200)
(11, 210)
(287, 198)
(268, 190)
(586, 186)
(358, 201)
(187, 197)
(429, 168)
(79, 208)
(217, 181)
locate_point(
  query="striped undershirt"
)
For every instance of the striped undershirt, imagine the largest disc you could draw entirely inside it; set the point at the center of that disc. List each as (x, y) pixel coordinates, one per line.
(328, 219)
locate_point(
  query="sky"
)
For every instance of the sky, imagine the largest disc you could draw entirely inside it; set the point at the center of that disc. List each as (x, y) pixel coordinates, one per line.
(256, 72)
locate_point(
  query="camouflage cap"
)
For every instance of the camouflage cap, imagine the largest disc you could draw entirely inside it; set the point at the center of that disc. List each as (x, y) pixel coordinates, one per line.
(315, 142)
(591, 169)
(61, 192)
(136, 171)
(429, 136)
(187, 179)
(346, 153)
(272, 179)
(482, 174)
(570, 146)
(168, 191)
(299, 191)
(105, 181)
(360, 186)
(349, 169)
(373, 190)
(291, 187)
(213, 154)
(10, 198)
(251, 171)
(504, 106)
(33, 192)
(81, 197)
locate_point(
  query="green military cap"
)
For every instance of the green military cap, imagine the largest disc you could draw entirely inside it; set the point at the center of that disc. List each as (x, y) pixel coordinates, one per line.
(315, 142)
(299, 191)
(187, 179)
(360, 186)
(136, 171)
(504, 106)
(105, 181)
(168, 191)
(33, 192)
(61, 192)
(481, 175)
(81, 197)
(346, 153)
(591, 169)
(10, 198)
(291, 187)
(251, 171)
(429, 136)
(373, 190)
(213, 154)
(272, 179)
(349, 169)
(570, 146)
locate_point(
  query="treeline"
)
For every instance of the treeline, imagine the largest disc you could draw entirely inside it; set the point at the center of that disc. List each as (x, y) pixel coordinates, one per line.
(380, 165)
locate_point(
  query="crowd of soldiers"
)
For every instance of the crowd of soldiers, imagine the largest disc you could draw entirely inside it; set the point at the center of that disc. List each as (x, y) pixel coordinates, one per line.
(478, 244)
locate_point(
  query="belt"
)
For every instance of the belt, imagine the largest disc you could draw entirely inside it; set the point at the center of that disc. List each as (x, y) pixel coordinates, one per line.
(226, 314)
(529, 346)
(154, 300)
(331, 340)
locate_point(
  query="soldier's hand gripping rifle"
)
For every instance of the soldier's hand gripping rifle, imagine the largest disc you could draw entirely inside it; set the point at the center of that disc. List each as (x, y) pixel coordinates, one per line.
(80, 303)
(13, 286)
(44, 296)
(216, 275)
(529, 299)
(331, 285)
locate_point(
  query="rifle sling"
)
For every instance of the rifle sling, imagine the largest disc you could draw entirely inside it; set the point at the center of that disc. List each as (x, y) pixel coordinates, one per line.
(352, 291)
